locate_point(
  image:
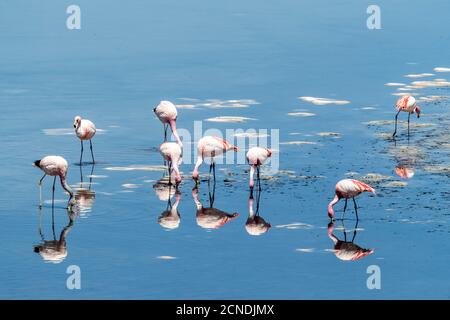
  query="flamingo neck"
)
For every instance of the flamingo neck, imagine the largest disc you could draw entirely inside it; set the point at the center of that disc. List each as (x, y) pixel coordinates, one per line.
(330, 206)
(65, 185)
(197, 165)
(252, 173)
(173, 127)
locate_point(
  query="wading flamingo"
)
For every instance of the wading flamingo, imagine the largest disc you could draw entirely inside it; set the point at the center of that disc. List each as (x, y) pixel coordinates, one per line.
(347, 250)
(348, 188)
(210, 147)
(85, 130)
(256, 156)
(172, 153)
(167, 114)
(54, 166)
(406, 104)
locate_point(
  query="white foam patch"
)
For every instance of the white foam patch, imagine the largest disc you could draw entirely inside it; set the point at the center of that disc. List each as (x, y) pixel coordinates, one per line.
(431, 83)
(229, 119)
(442, 69)
(251, 135)
(394, 84)
(323, 101)
(329, 134)
(137, 168)
(295, 224)
(419, 75)
(299, 142)
(94, 176)
(301, 114)
(432, 98)
(305, 250)
(166, 257)
(217, 103)
(130, 185)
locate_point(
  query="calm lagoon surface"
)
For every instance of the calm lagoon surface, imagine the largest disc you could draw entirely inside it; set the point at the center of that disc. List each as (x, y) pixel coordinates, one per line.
(250, 59)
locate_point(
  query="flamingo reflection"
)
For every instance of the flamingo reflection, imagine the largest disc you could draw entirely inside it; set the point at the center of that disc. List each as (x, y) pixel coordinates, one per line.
(347, 250)
(55, 250)
(85, 196)
(255, 224)
(211, 218)
(170, 218)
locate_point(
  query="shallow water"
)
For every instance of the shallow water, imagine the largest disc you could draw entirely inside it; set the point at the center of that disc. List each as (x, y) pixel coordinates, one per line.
(240, 60)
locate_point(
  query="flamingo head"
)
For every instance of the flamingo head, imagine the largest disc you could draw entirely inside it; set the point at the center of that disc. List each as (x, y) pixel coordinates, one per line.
(76, 121)
(269, 153)
(417, 110)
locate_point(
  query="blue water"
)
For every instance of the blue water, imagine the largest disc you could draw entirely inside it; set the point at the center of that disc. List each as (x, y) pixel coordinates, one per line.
(129, 56)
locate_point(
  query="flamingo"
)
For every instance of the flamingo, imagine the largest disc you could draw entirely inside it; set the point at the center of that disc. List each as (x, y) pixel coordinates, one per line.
(172, 153)
(406, 104)
(85, 130)
(256, 156)
(54, 166)
(348, 188)
(167, 114)
(210, 146)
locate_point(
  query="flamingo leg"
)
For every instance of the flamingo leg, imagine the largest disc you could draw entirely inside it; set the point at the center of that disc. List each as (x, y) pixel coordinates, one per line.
(90, 178)
(258, 179)
(53, 192)
(396, 117)
(409, 117)
(345, 208)
(40, 190)
(170, 172)
(81, 154)
(92, 152)
(214, 173)
(165, 126)
(356, 209)
(354, 232)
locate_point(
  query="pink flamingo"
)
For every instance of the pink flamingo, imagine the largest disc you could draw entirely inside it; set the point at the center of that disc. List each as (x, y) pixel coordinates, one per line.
(211, 147)
(167, 114)
(406, 104)
(54, 166)
(85, 130)
(256, 156)
(348, 188)
(172, 153)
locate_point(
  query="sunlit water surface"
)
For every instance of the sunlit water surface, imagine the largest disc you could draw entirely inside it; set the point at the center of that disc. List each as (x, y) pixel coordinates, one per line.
(248, 61)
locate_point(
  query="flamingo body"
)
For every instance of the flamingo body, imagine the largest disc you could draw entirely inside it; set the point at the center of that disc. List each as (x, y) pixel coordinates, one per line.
(54, 166)
(172, 152)
(348, 188)
(210, 147)
(84, 129)
(256, 156)
(167, 113)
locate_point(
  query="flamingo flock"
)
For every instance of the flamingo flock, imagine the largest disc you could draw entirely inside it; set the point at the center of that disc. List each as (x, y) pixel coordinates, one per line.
(208, 148)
